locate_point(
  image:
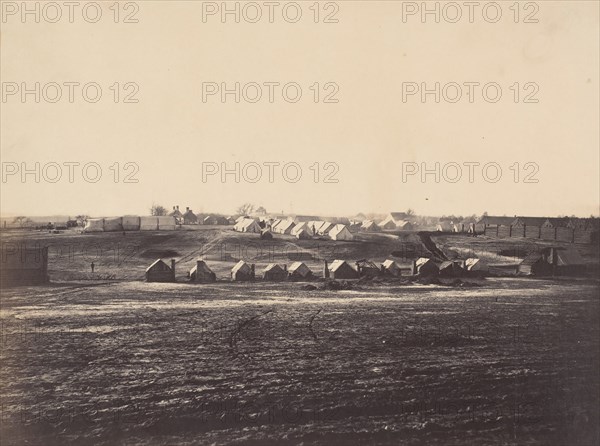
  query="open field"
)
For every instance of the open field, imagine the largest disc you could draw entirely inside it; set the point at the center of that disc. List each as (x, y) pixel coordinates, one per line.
(120, 361)
(514, 362)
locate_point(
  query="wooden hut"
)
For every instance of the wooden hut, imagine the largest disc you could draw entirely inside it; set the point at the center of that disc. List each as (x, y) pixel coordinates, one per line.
(425, 267)
(242, 272)
(201, 273)
(159, 271)
(391, 268)
(367, 268)
(450, 268)
(275, 273)
(340, 269)
(299, 271)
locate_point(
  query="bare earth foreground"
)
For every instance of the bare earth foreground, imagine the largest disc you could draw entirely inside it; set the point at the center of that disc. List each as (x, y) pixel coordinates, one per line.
(512, 362)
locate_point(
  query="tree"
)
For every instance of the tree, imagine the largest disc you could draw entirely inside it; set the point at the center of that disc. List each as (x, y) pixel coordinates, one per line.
(158, 210)
(410, 213)
(81, 219)
(22, 221)
(245, 209)
(261, 210)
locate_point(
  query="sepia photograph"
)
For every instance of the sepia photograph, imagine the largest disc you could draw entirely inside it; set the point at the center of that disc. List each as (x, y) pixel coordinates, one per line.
(310, 222)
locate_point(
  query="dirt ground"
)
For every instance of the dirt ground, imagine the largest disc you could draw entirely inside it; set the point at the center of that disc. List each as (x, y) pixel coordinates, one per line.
(128, 363)
(105, 358)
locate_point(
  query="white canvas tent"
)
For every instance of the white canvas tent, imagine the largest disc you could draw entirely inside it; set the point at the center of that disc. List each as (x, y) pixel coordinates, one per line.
(131, 223)
(148, 224)
(340, 232)
(247, 225)
(94, 225)
(113, 224)
(166, 223)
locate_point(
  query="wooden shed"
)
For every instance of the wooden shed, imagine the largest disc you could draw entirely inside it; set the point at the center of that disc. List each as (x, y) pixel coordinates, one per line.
(451, 268)
(242, 272)
(159, 271)
(367, 268)
(299, 271)
(425, 267)
(201, 273)
(340, 269)
(275, 272)
(391, 268)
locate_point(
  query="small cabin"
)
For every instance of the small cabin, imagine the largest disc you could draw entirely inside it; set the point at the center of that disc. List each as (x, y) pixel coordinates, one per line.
(391, 268)
(476, 266)
(242, 272)
(367, 268)
(553, 261)
(450, 268)
(201, 273)
(159, 271)
(275, 273)
(425, 267)
(299, 271)
(340, 269)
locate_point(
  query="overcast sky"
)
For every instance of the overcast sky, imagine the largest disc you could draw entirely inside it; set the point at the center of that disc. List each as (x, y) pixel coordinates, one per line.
(369, 56)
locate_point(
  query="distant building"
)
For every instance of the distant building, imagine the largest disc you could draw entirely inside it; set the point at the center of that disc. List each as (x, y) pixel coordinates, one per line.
(304, 218)
(189, 218)
(445, 226)
(176, 213)
(404, 225)
(215, 220)
(396, 220)
(553, 261)
(370, 226)
(497, 226)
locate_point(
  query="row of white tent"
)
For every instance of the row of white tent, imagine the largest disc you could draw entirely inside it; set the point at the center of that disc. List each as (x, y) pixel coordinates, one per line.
(130, 223)
(301, 230)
